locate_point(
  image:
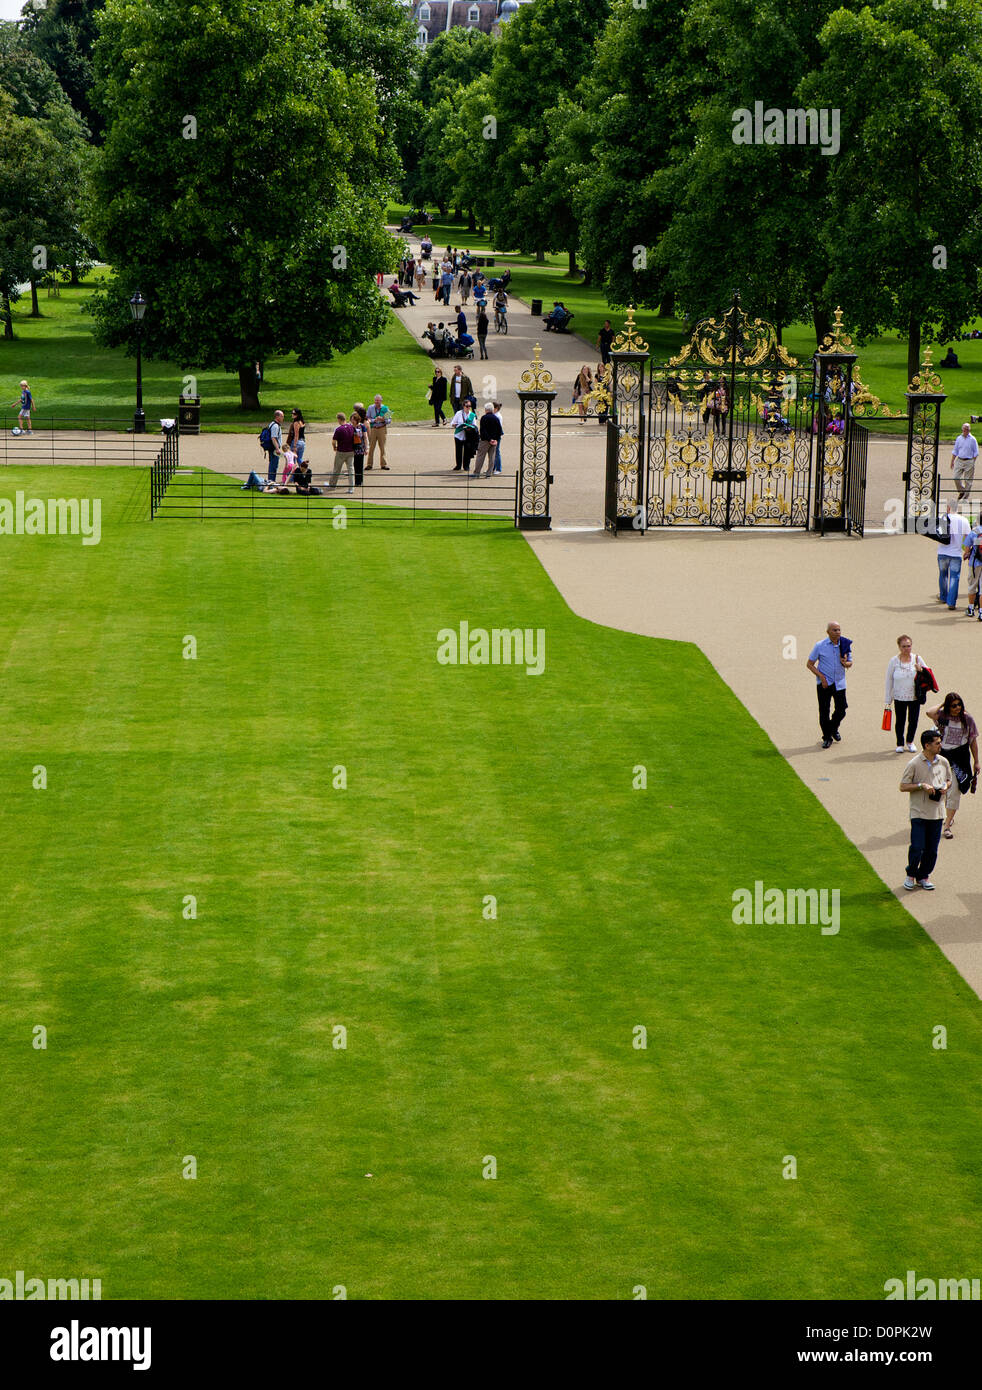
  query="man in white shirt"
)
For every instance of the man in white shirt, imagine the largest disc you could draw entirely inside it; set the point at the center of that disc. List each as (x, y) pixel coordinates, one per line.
(963, 456)
(927, 779)
(950, 556)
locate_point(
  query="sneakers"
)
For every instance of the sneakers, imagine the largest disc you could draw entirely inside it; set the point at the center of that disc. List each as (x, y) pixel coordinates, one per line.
(912, 747)
(970, 611)
(837, 736)
(909, 884)
(925, 883)
(826, 743)
(901, 748)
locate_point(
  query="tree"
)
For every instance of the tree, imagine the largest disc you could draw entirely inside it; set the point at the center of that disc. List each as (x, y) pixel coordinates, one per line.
(62, 34)
(543, 52)
(903, 229)
(247, 209)
(38, 95)
(466, 152)
(748, 216)
(450, 66)
(639, 116)
(38, 177)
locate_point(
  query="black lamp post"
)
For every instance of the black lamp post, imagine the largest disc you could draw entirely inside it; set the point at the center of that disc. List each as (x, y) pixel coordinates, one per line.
(138, 306)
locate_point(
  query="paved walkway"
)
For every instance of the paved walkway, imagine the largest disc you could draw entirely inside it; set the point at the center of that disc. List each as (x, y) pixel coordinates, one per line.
(743, 598)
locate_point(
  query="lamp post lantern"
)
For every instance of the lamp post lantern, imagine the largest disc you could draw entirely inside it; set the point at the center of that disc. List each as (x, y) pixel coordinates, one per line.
(138, 306)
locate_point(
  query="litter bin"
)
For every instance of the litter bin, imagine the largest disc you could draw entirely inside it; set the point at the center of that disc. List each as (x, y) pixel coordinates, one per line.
(536, 308)
(189, 415)
(489, 261)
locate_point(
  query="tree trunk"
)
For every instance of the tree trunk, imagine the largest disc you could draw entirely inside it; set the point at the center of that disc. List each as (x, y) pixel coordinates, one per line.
(248, 391)
(458, 214)
(666, 308)
(441, 209)
(74, 281)
(913, 348)
(573, 267)
(35, 307)
(8, 322)
(540, 258)
(471, 224)
(779, 329)
(823, 323)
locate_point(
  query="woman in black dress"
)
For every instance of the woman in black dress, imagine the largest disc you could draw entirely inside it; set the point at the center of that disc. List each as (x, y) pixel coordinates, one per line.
(438, 396)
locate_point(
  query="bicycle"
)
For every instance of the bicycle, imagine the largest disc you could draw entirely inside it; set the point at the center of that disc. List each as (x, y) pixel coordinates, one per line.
(501, 321)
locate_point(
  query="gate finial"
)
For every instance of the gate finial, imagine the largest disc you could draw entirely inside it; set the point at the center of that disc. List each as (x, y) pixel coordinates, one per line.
(926, 382)
(537, 376)
(629, 340)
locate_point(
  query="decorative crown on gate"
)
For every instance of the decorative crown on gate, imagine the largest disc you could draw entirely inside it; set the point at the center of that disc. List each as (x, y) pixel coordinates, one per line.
(537, 377)
(926, 382)
(629, 340)
(838, 340)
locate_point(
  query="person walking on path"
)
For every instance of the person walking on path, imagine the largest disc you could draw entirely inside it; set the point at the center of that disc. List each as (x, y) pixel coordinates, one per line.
(900, 692)
(482, 331)
(274, 449)
(960, 745)
(951, 537)
(379, 419)
(497, 452)
(963, 456)
(24, 412)
(828, 662)
(438, 396)
(460, 388)
(926, 779)
(490, 434)
(604, 339)
(344, 451)
(972, 559)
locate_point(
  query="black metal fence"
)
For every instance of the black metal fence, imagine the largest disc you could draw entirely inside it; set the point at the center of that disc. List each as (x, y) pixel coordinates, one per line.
(162, 470)
(201, 495)
(56, 440)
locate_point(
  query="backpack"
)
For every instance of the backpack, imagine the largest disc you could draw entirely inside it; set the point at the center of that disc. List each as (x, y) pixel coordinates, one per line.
(266, 437)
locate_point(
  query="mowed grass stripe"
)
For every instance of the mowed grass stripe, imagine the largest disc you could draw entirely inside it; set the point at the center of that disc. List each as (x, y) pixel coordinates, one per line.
(363, 907)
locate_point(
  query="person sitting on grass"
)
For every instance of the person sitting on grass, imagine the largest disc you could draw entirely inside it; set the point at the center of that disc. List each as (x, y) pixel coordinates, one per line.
(303, 481)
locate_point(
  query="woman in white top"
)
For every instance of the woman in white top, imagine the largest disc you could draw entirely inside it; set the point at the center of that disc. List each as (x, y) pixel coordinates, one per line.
(901, 693)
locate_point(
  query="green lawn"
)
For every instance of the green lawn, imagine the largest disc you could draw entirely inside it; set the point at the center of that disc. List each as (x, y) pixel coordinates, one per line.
(72, 378)
(467, 1037)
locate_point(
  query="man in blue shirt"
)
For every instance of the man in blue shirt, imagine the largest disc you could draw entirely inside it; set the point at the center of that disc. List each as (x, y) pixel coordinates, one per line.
(828, 662)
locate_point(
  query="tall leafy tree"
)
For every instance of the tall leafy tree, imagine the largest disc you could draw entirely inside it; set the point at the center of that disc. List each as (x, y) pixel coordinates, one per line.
(903, 227)
(449, 66)
(639, 122)
(62, 33)
(247, 208)
(542, 54)
(39, 179)
(748, 215)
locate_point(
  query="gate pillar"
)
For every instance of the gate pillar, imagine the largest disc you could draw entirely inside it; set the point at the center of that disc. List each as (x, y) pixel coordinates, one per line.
(624, 504)
(921, 485)
(534, 477)
(833, 377)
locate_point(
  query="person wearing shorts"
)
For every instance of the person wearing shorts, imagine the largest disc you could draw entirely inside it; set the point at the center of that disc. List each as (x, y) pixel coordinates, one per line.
(26, 406)
(960, 746)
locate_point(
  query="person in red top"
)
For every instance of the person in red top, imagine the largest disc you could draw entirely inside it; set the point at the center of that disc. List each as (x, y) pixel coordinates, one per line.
(344, 451)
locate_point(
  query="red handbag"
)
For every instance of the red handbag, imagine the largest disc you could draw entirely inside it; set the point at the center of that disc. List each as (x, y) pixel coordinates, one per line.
(887, 720)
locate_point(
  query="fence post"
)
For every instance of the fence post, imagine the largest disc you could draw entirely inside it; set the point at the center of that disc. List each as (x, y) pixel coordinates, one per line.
(532, 513)
(924, 400)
